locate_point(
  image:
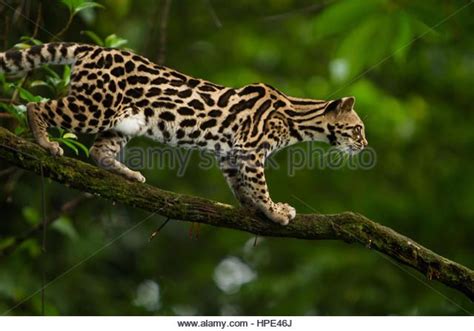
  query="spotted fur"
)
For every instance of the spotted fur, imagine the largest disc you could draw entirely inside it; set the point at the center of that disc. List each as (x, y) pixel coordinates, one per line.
(119, 95)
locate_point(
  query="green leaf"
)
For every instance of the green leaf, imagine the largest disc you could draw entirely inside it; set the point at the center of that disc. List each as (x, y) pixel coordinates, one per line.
(75, 6)
(86, 5)
(358, 47)
(114, 41)
(343, 16)
(425, 12)
(27, 42)
(51, 72)
(22, 46)
(19, 109)
(60, 132)
(31, 246)
(69, 135)
(94, 37)
(6, 242)
(72, 4)
(28, 96)
(66, 76)
(58, 83)
(36, 83)
(81, 146)
(19, 112)
(65, 226)
(69, 139)
(54, 83)
(68, 144)
(401, 42)
(10, 108)
(28, 39)
(19, 130)
(31, 215)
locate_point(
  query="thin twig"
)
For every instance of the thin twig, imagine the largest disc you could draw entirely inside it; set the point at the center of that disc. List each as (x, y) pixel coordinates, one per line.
(311, 9)
(213, 13)
(14, 97)
(43, 239)
(38, 19)
(157, 231)
(165, 10)
(7, 100)
(10, 184)
(67, 208)
(43, 210)
(6, 32)
(7, 171)
(65, 28)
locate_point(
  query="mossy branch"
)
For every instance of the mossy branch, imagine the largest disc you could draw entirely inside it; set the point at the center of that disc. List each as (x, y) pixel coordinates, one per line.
(348, 227)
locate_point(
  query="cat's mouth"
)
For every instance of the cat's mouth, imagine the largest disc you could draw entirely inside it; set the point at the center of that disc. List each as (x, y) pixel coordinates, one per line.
(352, 149)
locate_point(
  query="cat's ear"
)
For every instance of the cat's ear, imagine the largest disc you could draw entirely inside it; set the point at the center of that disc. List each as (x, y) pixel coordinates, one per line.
(340, 106)
(346, 104)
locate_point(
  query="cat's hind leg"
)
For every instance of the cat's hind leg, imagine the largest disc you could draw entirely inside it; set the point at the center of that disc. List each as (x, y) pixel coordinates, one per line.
(105, 150)
(40, 117)
(69, 113)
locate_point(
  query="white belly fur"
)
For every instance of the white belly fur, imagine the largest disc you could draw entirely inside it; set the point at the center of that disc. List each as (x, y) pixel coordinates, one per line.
(132, 126)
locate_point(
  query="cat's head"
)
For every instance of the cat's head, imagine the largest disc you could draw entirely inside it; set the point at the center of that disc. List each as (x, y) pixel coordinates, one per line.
(345, 129)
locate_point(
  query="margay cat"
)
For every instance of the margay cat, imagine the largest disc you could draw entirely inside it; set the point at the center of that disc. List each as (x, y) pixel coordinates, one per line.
(119, 95)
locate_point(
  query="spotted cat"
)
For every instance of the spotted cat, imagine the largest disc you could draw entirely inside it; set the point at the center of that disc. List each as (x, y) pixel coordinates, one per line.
(119, 95)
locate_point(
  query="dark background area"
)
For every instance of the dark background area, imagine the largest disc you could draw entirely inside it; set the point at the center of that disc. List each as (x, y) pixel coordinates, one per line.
(410, 65)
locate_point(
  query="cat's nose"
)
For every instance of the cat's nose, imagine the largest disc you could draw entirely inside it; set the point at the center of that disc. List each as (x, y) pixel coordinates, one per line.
(364, 142)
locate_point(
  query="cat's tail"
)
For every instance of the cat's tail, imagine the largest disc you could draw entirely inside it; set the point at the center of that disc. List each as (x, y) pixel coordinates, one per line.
(14, 60)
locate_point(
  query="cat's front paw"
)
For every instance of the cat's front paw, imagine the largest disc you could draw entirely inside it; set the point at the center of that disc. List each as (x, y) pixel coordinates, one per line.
(281, 213)
(53, 148)
(136, 176)
(132, 175)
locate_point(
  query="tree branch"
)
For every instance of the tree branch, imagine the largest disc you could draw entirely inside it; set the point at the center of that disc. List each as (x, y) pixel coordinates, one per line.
(348, 227)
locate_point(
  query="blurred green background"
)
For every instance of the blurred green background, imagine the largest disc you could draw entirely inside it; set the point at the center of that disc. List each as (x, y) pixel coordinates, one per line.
(410, 65)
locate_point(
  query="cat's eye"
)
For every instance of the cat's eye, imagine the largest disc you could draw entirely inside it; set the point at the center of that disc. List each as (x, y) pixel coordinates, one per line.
(357, 133)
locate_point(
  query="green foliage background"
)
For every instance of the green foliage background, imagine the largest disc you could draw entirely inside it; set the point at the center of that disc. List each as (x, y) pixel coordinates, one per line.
(410, 65)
